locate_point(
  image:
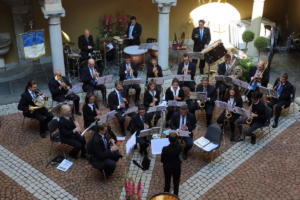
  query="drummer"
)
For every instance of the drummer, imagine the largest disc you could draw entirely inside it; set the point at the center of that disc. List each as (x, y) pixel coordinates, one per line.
(86, 44)
(133, 32)
(128, 71)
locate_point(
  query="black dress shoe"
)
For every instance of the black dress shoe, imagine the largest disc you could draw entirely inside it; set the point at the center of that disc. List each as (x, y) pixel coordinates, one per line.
(253, 139)
(275, 124)
(43, 135)
(241, 139)
(78, 113)
(83, 156)
(232, 139)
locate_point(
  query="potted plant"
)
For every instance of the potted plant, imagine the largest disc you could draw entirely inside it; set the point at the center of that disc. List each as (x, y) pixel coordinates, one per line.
(248, 36)
(261, 43)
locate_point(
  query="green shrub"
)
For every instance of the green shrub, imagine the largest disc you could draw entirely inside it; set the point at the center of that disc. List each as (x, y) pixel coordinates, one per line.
(248, 36)
(261, 43)
(245, 64)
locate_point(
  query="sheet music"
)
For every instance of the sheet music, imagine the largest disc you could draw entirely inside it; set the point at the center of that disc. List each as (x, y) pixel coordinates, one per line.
(132, 81)
(209, 147)
(246, 113)
(240, 83)
(221, 104)
(158, 144)
(183, 77)
(219, 77)
(130, 143)
(150, 131)
(75, 88)
(182, 133)
(157, 80)
(201, 142)
(198, 96)
(174, 103)
(130, 110)
(156, 109)
(65, 165)
(104, 79)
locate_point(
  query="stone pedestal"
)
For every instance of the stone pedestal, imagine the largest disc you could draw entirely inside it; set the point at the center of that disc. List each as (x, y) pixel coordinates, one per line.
(257, 13)
(53, 17)
(164, 7)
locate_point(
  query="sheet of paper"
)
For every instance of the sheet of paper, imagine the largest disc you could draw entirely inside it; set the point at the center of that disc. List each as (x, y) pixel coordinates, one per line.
(130, 143)
(210, 147)
(158, 144)
(64, 165)
(201, 142)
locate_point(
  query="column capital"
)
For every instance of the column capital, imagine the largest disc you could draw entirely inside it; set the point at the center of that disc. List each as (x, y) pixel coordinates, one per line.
(164, 6)
(52, 8)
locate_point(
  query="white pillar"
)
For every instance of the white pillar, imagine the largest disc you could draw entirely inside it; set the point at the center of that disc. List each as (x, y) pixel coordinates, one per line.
(163, 37)
(56, 44)
(257, 14)
(164, 7)
(53, 11)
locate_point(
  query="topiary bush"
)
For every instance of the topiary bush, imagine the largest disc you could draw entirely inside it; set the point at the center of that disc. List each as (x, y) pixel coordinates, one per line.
(261, 43)
(248, 36)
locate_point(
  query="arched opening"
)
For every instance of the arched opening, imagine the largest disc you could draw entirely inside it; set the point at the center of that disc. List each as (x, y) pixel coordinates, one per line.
(219, 17)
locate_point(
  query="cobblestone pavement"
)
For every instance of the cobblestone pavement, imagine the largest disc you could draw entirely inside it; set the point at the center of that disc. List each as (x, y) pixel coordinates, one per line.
(84, 182)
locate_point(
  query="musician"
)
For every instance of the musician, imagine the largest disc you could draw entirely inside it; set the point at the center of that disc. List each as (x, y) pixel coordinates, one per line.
(259, 72)
(117, 102)
(187, 67)
(191, 103)
(138, 123)
(69, 131)
(258, 115)
(104, 152)
(89, 77)
(86, 44)
(151, 99)
(90, 110)
(211, 97)
(170, 157)
(173, 93)
(185, 121)
(285, 92)
(153, 71)
(201, 37)
(133, 32)
(128, 71)
(233, 98)
(59, 87)
(223, 69)
(31, 94)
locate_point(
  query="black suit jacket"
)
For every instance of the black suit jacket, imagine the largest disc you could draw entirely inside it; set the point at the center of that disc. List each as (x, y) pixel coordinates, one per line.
(89, 114)
(136, 33)
(265, 78)
(190, 122)
(98, 151)
(148, 98)
(198, 43)
(170, 156)
(113, 101)
(150, 73)
(260, 110)
(136, 124)
(169, 94)
(211, 93)
(86, 78)
(83, 43)
(25, 101)
(287, 91)
(122, 70)
(66, 128)
(57, 92)
(222, 68)
(191, 68)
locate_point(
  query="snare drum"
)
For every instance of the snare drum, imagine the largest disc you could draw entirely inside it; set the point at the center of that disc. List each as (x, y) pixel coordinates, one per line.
(214, 52)
(137, 55)
(153, 51)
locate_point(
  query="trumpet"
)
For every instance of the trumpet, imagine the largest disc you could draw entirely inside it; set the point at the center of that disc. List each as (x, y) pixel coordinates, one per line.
(62, 83)
(228, 114)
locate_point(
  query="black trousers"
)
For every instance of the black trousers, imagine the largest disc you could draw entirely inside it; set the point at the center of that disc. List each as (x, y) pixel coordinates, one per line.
(150, 116)
(169, 173)
(201, 64)
(77, 142)
(43, 116)
(251, 129)
(89, 88)
(137, 91)
(222, 89)
(72, 97)
(108, 164)
(278, 105)
(221, 119)
(209, 108)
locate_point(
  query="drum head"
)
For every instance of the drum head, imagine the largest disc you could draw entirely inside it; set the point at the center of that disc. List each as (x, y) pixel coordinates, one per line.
(134, 50)
(164, 196)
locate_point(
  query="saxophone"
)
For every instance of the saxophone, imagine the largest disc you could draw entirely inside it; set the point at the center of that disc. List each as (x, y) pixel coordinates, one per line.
(249, 120)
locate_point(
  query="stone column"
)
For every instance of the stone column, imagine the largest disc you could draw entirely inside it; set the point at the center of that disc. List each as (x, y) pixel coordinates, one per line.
(257, 14)
(53, 15)
(164, 7)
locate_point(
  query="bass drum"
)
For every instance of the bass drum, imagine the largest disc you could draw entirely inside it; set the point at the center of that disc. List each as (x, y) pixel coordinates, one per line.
(164, 196)
(137, 55)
